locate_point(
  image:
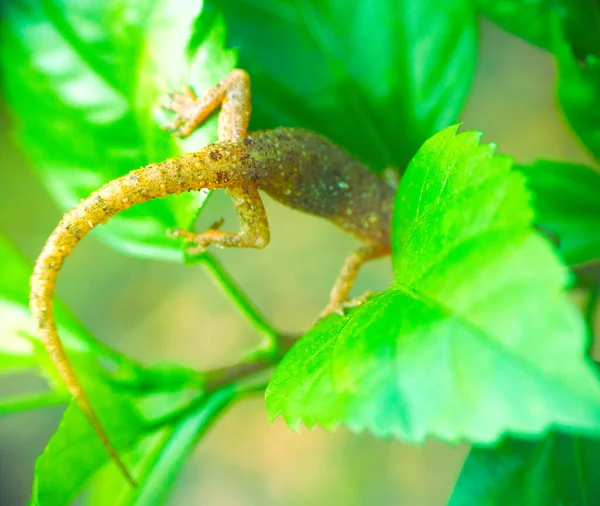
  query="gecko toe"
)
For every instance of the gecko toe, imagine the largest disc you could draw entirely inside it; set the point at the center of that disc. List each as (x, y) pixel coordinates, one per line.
(194, 251)
(341, 307)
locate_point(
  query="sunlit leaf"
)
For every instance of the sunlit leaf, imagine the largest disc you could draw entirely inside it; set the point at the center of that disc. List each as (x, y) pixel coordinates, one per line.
(26, 402)
(95, 73)
(475, 337)
(17, 329)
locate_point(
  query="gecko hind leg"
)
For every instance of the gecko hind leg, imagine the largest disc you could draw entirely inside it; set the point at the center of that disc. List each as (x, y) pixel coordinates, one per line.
(338, 298)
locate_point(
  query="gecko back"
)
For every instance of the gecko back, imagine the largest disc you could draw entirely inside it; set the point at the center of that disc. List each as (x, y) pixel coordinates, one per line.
(307, 172)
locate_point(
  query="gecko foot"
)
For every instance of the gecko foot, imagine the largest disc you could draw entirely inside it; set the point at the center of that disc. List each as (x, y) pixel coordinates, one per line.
(340, 307)
(187, 108)
(198, 246)
(199, 242)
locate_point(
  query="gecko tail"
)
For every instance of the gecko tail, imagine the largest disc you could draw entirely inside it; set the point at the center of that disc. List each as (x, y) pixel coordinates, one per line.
(204, 169)
(137, 186)
(74, 225)
(41, 306)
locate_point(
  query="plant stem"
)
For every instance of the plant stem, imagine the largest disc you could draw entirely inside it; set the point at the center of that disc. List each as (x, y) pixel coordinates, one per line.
(218, 378)
(31, 401)
(235, 379)
(241, 300)
(222, 376)
(184, 429)
(228, 392)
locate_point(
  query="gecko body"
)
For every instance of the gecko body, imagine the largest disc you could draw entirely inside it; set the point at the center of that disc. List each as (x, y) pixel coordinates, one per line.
(298, 168)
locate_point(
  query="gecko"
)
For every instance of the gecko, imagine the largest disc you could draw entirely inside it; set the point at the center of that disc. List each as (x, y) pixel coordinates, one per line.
(299, 168)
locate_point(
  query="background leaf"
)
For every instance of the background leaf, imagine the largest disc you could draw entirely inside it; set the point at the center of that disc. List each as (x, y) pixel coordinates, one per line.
(475, 337)
(19, 349)
(533, 20)
(376, 77)
(94, 75)
(136, 412)
(570, 29)
(123, 393)
(558, 469)
(158, 459)
(115, 384)
(579, 94)
(565, 197)
(75, 453)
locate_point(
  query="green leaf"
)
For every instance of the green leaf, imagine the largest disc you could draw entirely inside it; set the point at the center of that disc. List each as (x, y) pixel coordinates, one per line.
(95, 72)
(19, 349)
(533, 20)
(558, 469)
(375, 77)
(571, 29)
(565, 197)
(19, 346)
(159, 458)
(579, 93)
(474, 339)
(16, 324)
(16, 351)
(75, 453)
(145, 416)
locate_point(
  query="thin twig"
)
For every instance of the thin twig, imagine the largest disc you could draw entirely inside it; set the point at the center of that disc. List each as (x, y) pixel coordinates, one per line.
(31, 401)
(222, 376)
(254, 316)
(237, 376)
(196, 404)
(218, 378)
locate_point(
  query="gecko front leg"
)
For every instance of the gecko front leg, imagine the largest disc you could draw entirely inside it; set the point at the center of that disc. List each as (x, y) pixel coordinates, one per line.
(233, 95)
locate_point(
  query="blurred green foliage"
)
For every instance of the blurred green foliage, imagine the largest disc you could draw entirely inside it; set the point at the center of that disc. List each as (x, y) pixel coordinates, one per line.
(376, 77)
(557, 469)
(95, 73)
(536, 21)
(579, 95)
(565, 196)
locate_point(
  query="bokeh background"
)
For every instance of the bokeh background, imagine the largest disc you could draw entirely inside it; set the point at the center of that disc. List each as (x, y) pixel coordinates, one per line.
(157, 311)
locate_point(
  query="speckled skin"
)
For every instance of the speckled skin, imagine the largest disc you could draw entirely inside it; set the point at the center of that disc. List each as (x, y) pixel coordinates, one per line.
(298, 168)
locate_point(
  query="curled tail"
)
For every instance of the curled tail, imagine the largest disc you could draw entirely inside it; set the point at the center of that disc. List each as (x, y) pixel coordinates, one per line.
(191, 172)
